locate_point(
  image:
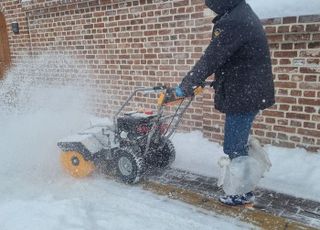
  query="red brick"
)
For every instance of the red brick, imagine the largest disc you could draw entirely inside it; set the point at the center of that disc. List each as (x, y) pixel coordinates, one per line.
(309, 132)
(316, 118)
(283, 29)
(310, 53)
(285, 54)
(297, 28)
(299, 116)
(286, 85)
(284, 129)
(287, 100)
(150, 33)
(314, 45)
(270, 29)
(282, 136)
(181, 17)
(316, 37)
(274, 61)
(283, 107)
(310, 70)
(274, 46)
(309, 18)
(271, 135)
(309, 85)
(261, 126)
(287, 46)
(260, 133)
(305, 101)
(309, 141)
(296, 123)
(272, 21)
(283, 77)
(272, 113)
(313, 28)
(289, 20)
(309, 109)
(275, 38)
(300, 46)
(297, 37)
(285, 69)
(296, 77)
(285, 61)
(297, 109)
(309, 93)
(313, 61)
(165, 19)
(309, 125)
(295, 139)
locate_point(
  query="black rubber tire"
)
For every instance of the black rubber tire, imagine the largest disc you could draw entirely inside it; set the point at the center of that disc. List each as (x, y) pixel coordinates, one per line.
(166, 155)
(130, 167)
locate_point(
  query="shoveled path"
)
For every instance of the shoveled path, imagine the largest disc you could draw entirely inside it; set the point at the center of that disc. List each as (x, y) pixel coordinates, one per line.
(272, 210)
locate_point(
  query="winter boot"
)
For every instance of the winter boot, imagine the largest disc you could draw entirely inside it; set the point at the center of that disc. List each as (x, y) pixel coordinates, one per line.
(234, 200)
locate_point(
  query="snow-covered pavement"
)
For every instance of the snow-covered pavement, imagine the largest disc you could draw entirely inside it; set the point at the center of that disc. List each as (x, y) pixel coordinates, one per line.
(36, 194)
(96, 203)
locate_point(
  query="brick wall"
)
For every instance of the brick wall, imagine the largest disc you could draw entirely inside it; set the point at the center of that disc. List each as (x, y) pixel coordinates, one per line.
(295, 47)
(133, 43)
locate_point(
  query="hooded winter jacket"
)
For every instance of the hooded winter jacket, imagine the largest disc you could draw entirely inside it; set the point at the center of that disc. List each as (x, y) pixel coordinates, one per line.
(239, 56)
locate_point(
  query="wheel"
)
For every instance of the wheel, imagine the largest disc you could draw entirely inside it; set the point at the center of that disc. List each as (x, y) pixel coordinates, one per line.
(129, 166)
(75, 164)
(166, 155)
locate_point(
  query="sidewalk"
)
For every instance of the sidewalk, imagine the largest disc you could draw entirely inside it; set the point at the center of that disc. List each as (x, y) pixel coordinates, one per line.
(271, 210)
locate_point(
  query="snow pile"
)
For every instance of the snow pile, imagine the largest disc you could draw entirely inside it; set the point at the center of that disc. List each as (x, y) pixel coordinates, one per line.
(36, 109)
(282, 8)
(293, 171)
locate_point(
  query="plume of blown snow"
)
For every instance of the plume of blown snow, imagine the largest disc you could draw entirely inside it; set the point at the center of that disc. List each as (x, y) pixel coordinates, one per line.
(43, 99)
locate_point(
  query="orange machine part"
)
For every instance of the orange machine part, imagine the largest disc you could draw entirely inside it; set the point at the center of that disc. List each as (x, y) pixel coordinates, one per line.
(74, 163)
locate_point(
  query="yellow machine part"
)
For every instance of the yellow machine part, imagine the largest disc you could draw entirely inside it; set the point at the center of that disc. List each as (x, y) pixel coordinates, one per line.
(198, 90)
(161, 98)
(172, 100)
(74, 163)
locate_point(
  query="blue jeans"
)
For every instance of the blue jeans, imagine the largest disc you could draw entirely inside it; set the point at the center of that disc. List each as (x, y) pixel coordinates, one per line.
(236, 133)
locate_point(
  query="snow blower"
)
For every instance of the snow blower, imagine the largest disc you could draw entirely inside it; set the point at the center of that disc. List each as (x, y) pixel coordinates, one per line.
(136, 142)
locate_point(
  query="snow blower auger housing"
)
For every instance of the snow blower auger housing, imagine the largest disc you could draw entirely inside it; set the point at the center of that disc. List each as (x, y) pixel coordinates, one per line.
(137, 142)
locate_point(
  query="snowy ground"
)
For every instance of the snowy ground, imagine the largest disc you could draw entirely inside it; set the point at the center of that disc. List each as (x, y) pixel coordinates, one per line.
(36, 194)
(96, 203)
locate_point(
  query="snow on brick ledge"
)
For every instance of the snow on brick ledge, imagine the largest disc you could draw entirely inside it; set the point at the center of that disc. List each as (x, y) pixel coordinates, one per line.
(291, 20)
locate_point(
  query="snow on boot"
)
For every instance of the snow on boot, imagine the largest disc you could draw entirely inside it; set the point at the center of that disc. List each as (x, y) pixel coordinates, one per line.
(223, 163)
(242, 175)
(234, 200)
(257, 152)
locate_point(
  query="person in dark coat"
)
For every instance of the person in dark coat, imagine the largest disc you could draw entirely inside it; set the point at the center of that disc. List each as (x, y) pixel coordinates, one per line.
(238, 56)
